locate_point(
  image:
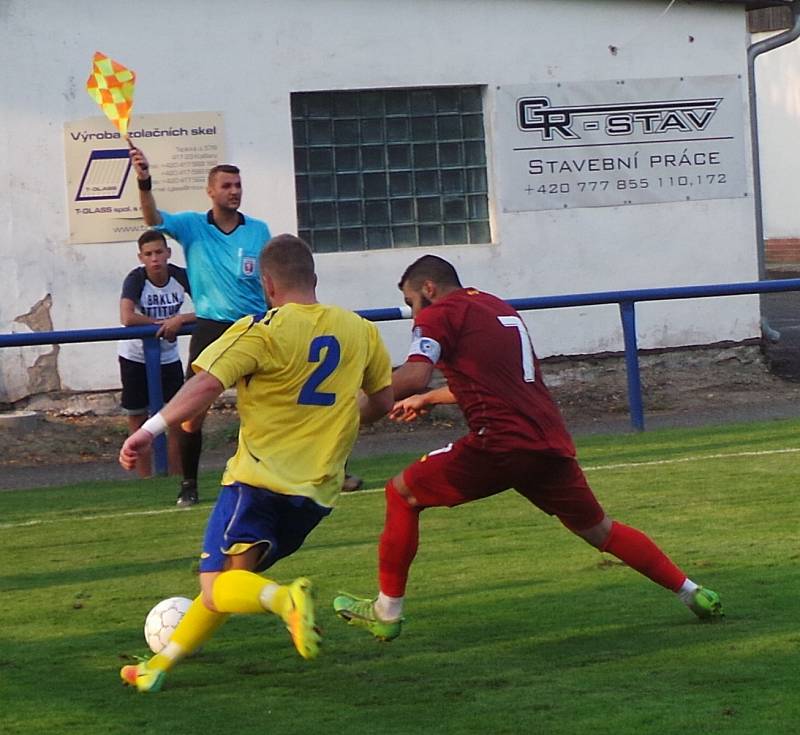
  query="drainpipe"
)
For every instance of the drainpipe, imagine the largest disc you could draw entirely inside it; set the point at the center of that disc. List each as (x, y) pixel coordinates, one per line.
(753, 51)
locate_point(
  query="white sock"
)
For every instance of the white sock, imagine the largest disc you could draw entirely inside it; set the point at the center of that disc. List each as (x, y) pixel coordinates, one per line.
(267, 594)
(388, 608)
(172, 651)
(686, 592)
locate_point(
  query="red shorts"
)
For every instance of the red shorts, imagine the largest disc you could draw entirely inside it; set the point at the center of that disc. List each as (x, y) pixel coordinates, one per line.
(460, 472)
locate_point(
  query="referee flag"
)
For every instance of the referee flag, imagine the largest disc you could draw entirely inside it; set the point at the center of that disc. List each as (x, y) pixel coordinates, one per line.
(111, 85)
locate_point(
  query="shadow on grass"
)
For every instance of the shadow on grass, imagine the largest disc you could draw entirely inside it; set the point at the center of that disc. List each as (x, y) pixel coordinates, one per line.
(467, 652)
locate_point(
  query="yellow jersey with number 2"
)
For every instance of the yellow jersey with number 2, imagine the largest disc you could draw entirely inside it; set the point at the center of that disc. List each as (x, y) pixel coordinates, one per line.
(297, 371)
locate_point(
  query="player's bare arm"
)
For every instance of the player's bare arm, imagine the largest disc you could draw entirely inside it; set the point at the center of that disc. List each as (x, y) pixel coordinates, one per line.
(411, 378)
(195, 396)
(411, 408)
(376, 405)
(147, 201)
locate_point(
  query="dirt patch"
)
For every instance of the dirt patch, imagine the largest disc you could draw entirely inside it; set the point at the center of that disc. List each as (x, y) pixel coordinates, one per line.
(684, 387)
(692, 380)
(62, 438)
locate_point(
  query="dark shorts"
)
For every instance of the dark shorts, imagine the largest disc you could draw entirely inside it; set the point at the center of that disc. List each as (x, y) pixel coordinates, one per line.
(205, 332)
(245, 516)
(134, 384)
(460, 472)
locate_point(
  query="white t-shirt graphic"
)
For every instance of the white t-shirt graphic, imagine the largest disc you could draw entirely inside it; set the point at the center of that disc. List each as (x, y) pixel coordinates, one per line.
(156, 302)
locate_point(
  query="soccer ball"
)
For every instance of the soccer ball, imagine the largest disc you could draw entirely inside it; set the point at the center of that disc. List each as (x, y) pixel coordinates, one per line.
(161, 621)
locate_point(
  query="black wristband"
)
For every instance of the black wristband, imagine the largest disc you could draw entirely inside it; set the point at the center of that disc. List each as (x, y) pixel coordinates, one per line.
(145, 184)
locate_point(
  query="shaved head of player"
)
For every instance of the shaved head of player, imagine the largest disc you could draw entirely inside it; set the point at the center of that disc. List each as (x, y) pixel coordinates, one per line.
(306, 374)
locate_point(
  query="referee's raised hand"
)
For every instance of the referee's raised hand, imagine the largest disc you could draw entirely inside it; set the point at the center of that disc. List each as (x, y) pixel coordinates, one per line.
(140, 164)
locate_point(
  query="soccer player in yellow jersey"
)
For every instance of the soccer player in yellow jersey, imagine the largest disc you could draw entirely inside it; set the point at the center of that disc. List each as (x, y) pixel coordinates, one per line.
(305, 374)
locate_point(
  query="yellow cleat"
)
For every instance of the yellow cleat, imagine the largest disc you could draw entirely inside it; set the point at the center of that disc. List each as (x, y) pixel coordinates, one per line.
(299, 618)
(139, 676)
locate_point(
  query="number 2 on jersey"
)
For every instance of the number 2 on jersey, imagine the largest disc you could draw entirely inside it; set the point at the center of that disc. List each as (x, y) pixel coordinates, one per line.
(309, 395)
(528, 365)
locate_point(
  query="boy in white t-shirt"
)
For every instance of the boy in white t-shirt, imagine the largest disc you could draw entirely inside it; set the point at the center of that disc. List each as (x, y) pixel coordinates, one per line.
(153, 293)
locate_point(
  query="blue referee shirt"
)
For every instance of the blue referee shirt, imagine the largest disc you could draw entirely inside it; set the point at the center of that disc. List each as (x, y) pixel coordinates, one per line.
(223, 268)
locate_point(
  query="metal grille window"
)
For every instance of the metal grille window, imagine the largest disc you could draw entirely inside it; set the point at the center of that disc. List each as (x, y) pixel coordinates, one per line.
(390, 168)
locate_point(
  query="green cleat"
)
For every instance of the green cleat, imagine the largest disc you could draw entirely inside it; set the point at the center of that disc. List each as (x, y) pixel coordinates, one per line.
(299, 618)
(139, 676)
(706, 605)
(361, 613)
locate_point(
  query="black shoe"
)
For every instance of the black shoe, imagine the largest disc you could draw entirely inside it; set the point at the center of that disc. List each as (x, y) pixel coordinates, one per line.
(187, 497)
(352, 483)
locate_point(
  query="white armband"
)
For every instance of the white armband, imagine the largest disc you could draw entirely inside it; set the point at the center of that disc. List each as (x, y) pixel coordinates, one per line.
(155, 425)
(426, 347)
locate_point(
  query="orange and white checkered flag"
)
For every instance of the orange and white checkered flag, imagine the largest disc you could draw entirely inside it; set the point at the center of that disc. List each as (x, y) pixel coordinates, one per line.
(111, 85)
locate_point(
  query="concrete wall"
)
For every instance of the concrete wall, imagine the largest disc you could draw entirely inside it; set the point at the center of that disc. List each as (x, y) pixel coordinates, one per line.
(245, 59)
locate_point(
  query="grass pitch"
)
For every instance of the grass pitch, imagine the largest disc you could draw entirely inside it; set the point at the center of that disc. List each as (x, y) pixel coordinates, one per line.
(513, 625)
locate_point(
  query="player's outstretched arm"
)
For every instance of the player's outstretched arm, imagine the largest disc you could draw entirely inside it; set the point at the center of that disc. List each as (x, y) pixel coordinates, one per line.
(411, 378)
(196, 395)
(411, 408)
(147, 201)
(135, 446)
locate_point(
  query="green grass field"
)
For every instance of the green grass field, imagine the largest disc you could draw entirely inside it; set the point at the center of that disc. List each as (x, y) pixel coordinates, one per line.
(513, 625)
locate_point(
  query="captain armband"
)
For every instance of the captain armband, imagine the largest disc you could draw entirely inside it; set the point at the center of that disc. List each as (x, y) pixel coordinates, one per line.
(426, 347)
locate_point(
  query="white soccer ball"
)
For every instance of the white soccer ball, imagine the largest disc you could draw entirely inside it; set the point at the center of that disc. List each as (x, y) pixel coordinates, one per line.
(161, 621)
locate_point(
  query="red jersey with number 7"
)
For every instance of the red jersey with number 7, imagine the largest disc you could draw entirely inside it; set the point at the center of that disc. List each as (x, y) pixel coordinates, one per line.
(483, 348)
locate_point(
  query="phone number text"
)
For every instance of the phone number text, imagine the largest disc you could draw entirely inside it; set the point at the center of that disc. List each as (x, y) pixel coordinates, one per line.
(656, 182)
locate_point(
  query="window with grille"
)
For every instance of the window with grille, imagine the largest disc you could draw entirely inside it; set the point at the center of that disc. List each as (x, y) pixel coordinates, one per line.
(390, 168)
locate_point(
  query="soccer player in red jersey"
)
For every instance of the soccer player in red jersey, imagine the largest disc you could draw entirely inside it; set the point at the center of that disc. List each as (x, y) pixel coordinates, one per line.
(517, 439)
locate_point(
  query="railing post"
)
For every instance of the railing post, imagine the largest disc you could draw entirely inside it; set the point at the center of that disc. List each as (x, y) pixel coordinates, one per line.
(152, 362)
(628, 315)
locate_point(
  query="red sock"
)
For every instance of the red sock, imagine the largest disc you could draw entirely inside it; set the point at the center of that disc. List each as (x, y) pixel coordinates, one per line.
(639, 552)
(399, 542)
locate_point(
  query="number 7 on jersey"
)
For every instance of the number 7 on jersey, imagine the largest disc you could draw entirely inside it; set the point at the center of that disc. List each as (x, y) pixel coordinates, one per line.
(528, 365)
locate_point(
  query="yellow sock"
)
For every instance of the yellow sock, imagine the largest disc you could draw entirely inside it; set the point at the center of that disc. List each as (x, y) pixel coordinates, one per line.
(196, 627)
(239, 591)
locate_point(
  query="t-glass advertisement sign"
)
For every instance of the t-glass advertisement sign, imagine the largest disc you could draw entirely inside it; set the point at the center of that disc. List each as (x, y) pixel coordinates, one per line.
(613, 143)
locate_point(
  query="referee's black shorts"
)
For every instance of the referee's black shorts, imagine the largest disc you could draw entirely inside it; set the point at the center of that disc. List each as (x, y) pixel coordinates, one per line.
(205, 332)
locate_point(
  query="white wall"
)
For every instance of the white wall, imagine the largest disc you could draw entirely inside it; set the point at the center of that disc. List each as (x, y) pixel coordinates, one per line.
(778, 91)
(246, 58)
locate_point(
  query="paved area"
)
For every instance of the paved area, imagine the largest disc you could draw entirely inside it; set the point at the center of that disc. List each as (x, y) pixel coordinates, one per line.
(421, 441)
(782, 313)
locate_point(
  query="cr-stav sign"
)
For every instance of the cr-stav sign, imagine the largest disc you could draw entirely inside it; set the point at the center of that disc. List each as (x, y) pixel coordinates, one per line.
(613, 143)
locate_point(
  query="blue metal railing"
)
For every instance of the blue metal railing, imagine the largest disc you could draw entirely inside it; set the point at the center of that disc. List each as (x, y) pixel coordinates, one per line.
(626, 301)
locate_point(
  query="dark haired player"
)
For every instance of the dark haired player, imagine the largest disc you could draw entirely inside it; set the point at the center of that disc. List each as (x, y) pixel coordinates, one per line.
(517, 439)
